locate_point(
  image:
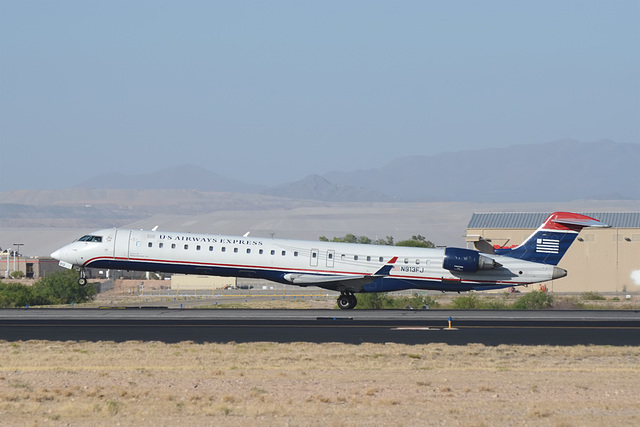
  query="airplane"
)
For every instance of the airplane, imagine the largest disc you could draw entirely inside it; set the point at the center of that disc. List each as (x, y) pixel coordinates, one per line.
(344, 267)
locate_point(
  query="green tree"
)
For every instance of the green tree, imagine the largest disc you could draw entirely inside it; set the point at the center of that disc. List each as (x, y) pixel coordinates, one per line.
(387, 241)
(62, 288)
(417, 242)
(17, 295)
(350, 238)
(364, 240)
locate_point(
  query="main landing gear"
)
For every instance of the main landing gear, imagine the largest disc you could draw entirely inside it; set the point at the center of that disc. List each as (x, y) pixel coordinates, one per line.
(347, 301)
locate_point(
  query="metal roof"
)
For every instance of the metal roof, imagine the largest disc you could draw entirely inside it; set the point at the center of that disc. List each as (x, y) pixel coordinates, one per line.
(534, 220)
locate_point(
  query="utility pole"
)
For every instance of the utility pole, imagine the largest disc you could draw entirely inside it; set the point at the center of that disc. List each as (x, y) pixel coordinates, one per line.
(14, 254)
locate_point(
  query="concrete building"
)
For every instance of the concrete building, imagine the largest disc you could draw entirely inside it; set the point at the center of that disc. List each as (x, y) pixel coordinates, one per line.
(183, 281)
(600, 260)
(31, 268)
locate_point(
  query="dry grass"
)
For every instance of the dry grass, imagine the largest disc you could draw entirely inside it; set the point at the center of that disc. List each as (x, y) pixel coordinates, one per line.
(159, 384)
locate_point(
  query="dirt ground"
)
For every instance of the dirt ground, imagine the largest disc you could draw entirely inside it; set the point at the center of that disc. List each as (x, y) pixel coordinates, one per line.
(135, 383)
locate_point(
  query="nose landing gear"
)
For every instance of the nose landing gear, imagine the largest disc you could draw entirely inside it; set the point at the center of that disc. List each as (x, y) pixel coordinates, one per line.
(82, 280)
(347, 301)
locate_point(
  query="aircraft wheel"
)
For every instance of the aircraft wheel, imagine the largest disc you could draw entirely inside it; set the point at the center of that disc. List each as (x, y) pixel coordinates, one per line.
(354, 301)
(82, 281)
(347, 302)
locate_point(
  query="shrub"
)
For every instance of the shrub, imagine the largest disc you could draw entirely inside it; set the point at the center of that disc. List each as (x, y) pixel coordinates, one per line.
(415, 301)
(14, 295)
(535, 300)
(374, 301)
(592, 296)
(469, 301)
(378, 300)
(495, 303)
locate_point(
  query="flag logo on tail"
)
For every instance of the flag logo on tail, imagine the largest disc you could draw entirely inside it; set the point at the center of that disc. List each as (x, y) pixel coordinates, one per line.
(548, 246)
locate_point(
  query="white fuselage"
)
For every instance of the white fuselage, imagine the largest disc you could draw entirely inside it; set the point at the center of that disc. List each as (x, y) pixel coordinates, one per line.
(338, 266)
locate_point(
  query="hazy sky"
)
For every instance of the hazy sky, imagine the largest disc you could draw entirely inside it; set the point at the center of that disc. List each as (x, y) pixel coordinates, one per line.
(271, 91)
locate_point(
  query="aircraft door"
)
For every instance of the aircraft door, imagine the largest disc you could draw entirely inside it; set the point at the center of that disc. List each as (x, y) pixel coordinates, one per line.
(121, 244)
(315, 253)
(331, 254)
(135, 245)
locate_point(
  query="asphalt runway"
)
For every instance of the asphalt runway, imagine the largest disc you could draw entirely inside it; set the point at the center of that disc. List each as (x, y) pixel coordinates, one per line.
(562, 328)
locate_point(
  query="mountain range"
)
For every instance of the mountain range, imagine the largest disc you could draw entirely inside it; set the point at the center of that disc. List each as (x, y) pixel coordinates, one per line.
(555, 171)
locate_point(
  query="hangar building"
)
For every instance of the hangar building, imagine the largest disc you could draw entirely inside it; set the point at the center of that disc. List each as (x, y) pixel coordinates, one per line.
(600, 259)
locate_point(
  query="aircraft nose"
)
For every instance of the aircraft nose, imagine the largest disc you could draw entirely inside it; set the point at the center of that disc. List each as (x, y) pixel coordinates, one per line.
(57, 254)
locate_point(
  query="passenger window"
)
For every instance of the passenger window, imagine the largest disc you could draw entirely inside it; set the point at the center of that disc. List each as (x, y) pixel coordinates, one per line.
(210, 248)
(381, 259)
(150, 244)
(355, 257)
(330, 256)
(224, 249)
(248, 250)
(284, 253)
(368, 258)
(235, 250)
(198, 248)
(138, 243)
(260, 251)
(173, 246)
(295, 253)
(273, 252)
(160, 245)
(186, 246)
(417, 262)
(406, 260)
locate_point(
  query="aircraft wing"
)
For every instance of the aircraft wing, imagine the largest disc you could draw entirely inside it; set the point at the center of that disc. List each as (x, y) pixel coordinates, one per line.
(340, 282)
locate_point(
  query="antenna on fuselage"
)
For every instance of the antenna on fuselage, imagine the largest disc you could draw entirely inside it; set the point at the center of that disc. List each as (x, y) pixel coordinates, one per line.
(154, 228)
(246, 234)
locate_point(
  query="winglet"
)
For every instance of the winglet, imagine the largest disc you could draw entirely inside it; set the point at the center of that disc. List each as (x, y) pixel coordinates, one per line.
(386, 269)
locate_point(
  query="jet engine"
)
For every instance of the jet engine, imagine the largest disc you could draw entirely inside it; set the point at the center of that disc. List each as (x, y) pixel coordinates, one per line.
(467, 260)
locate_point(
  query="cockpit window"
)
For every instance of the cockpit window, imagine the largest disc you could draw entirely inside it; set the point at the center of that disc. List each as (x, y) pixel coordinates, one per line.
(89, 238)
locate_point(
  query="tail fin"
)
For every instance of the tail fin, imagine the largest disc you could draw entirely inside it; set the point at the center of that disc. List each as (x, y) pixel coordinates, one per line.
(549, 243)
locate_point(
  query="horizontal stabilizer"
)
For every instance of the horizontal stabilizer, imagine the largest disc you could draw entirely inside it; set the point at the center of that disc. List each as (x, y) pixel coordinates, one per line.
(580, 222)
